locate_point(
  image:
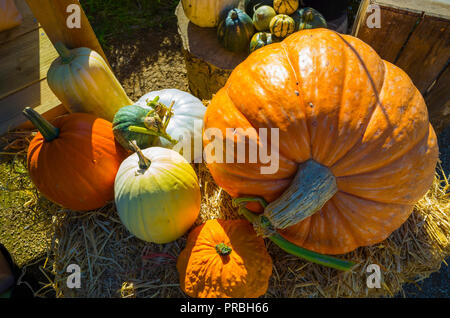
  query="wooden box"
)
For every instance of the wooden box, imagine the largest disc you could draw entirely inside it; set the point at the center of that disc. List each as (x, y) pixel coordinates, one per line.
(415, 36)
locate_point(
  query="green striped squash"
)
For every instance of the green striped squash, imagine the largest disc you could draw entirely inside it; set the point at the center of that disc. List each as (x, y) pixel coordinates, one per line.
(259, 40)
(282, 25)
(308, 18)
(262, 17)
(285, 6)
(235, 31)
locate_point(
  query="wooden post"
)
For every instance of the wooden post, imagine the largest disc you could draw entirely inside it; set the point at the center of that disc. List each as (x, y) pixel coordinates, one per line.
(208, 64)
(53, 16)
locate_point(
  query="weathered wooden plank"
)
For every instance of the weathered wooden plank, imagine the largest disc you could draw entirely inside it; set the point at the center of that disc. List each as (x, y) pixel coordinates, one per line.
(438, 102)
(52, 15)
(29, 23)
(389, 39)
(360, 16)
(24, 61)
(427, 51)
(436, 8)
(37, 95)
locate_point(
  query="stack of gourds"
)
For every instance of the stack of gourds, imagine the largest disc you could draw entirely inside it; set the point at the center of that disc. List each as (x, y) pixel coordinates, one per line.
(353, 136)
(263, 22)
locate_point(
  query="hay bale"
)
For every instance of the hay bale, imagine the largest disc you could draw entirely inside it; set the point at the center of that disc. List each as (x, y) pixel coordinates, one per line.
(116, 264)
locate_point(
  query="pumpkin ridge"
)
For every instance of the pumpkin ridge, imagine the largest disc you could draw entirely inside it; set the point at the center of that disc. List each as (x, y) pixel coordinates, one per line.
(301, 94)
(59, 170)
(392, 158)
(267, 124)
(380, 236)
(90, 183)
(177, 178)
(346, 224)
(372, 106)
(281, 155)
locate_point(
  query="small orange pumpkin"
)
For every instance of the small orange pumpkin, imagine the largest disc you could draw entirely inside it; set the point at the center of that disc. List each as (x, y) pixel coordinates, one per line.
(73, 161)
(356, 148)
(224, 259)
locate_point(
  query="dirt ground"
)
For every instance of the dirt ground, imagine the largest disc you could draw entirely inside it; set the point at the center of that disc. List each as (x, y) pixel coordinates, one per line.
(150, 61)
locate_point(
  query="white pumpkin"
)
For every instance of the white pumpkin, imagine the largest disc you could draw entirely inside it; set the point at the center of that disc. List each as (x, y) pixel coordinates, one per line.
(157, 194)
(187, 119)
(207, 13)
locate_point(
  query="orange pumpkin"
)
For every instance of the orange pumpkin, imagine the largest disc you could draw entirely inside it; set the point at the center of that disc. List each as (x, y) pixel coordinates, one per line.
(356, 149)
(74, 160)
(224, 259)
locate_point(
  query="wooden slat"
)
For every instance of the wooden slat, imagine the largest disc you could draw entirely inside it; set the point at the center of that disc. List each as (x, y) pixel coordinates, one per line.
(436, 8)
(29, 23)
(52, 16)
(438, 102)
(38, 96)
(25, 61)
(427, 51)
(388, 40)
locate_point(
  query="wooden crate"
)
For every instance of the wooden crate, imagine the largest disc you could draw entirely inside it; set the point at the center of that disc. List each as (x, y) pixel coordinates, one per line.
(26, 53)
(414, 35)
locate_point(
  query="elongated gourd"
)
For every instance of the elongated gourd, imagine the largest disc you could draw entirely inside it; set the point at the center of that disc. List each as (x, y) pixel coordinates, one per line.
(84, 83)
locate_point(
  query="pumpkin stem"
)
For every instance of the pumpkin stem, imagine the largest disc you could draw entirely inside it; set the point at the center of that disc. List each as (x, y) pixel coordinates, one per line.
(64, 52)
(48, 131)
(265, 228)
(223, 249)
(234, 14)
(154, 125)
(144, 162)
(309, 15)
(146, 131)
(311, 188)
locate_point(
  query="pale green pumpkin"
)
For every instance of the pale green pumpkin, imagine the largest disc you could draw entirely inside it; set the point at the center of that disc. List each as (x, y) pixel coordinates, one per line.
(157, 194)
(262, 17)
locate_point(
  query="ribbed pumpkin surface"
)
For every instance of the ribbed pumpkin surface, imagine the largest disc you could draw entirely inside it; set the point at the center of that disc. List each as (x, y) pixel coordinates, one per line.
(315, 87)
(244, 273)
(78, 168)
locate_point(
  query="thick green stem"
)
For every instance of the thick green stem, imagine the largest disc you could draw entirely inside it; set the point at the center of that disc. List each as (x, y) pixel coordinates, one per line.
(309, 15)
(234, 15)
(146, 131)
(291, 248)
(311, 256)
(48, 131)
(144, 162)
(64, 52)
(311, 188)
(223, 249)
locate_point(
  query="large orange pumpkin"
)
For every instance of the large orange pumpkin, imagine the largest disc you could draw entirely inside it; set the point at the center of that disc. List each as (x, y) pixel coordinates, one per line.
(73, 161)
(356, 148)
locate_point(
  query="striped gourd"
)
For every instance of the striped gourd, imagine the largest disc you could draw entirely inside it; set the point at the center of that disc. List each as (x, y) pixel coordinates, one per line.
(285, 6)
(308, 18)
(259, 40)
(282, 25)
